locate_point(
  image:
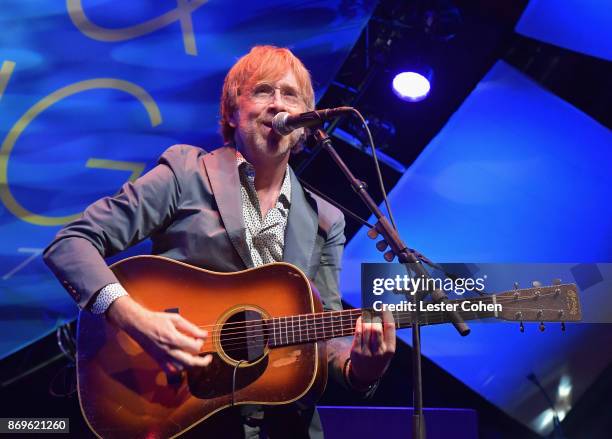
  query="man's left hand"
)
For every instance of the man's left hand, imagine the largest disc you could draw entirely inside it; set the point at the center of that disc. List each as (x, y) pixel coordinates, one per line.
(372, 349)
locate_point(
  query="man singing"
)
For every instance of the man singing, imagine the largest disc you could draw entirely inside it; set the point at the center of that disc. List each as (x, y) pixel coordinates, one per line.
(237, 207)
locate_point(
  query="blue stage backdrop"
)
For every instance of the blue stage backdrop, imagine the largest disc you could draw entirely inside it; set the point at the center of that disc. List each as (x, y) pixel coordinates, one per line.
(516, 176)
(579, 25)
(91, 93)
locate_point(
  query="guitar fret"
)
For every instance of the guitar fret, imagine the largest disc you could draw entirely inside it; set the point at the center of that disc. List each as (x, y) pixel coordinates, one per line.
(323, 329)
(312, 327)
(286, 332)
(325, 326)
(354, 318)
(318, 326)
(277, 328)
(334, 322)
(350, 329)
(336, 326)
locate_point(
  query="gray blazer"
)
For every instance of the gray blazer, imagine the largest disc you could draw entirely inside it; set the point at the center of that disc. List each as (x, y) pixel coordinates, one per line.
(190, 207)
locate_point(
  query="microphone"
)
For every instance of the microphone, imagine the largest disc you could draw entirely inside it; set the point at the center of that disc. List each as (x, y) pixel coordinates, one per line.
(284, 123)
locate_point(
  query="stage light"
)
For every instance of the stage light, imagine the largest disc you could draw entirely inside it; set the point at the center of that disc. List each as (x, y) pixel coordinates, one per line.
(565, 387)
(544, 420)
(411, 86)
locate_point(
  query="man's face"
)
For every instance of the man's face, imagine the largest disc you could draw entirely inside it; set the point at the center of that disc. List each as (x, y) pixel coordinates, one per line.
(257, 105)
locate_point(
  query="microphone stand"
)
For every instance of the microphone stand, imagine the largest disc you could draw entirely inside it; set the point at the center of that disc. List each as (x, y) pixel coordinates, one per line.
(407, 258)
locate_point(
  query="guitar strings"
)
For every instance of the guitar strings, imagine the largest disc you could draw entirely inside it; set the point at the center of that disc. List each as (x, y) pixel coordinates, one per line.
(346, 331)
(480, 299)
(328, 332)
(330, 322)
(322, 326)
(330, 314)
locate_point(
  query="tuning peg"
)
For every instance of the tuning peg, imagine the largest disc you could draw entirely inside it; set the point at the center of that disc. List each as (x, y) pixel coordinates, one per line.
(373, 233)
(536, 284)
(542, 327)
(562, 326)
(522, 327)
(381, 245)
(556, 281)
(389, 256)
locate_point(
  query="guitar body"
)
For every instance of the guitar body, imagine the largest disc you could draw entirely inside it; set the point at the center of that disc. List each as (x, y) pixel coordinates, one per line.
(124, 393)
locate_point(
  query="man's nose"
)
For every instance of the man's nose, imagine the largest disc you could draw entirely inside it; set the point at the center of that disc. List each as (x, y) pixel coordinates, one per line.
(278, 102)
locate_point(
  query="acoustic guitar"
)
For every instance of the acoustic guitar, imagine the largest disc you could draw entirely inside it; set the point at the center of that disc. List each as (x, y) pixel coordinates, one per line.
(267, 332)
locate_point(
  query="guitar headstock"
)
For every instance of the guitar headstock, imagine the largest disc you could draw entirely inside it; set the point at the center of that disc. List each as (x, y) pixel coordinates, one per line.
(553, 303)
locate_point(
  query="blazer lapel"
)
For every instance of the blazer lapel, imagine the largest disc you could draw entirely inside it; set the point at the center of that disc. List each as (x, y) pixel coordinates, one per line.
(223, 174)
(302, 226)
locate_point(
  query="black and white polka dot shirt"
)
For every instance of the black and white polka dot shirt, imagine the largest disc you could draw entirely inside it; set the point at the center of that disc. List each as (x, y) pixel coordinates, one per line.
(265, 237)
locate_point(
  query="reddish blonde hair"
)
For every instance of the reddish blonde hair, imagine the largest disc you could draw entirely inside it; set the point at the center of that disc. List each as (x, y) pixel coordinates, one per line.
(262, 62)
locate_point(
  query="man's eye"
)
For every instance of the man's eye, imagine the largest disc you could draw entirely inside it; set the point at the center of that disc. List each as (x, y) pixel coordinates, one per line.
(263, 90)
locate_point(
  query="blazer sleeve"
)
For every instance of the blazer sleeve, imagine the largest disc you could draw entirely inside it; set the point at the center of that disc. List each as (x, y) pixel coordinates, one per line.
(327, 282)
(330, 264)
(112, 224)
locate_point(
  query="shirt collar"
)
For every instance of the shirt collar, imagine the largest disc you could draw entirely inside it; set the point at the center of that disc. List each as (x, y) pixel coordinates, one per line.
(248, 170)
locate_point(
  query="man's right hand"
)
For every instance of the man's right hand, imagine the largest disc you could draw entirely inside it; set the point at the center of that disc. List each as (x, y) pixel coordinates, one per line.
(170, 339)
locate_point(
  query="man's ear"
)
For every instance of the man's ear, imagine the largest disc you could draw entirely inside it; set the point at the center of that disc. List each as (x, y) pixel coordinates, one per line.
(233, 119)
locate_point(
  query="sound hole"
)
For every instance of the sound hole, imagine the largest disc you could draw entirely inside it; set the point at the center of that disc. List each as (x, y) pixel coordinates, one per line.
(244, 336)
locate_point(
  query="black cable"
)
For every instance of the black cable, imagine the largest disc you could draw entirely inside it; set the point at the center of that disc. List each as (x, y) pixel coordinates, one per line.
(234, 381)
(381, 184)
(336, 204)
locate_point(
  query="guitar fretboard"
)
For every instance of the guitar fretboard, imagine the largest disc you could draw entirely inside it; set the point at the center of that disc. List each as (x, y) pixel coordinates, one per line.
(305, 328)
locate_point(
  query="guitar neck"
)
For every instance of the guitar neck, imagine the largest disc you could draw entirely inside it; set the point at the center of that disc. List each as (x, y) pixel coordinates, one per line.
(305, 328)
(553, 303)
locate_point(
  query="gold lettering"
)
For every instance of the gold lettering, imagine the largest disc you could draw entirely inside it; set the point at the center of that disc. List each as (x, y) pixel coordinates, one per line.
(5, 74)
(135, 167)
(9, 142)
(181, 13)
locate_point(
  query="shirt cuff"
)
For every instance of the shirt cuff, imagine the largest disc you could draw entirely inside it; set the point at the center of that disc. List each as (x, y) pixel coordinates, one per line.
(106, 296)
